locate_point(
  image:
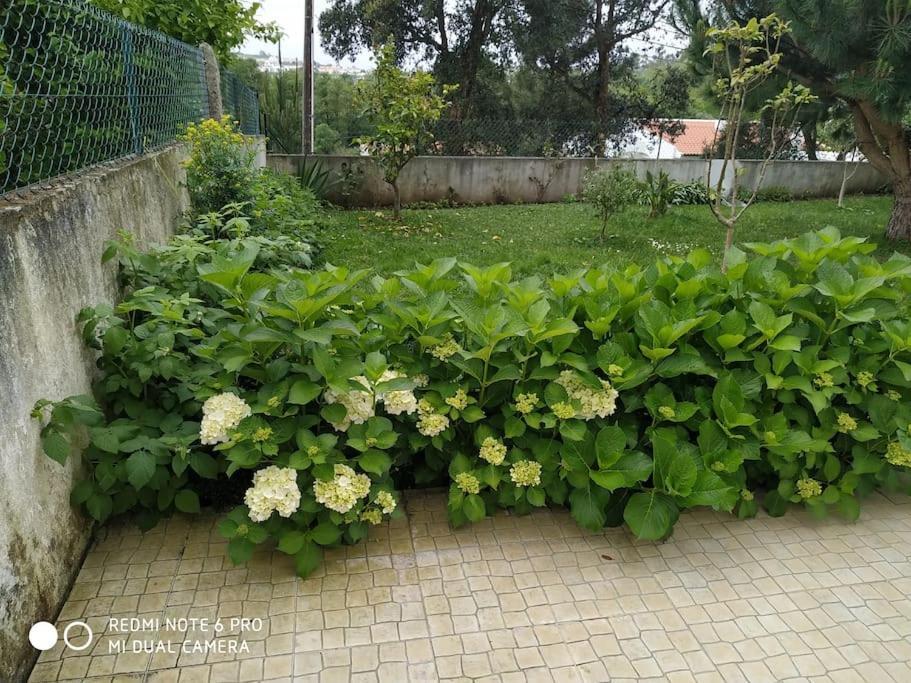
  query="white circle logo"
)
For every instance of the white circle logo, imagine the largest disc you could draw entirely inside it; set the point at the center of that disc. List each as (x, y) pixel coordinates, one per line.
(66, 635)
(43, 635)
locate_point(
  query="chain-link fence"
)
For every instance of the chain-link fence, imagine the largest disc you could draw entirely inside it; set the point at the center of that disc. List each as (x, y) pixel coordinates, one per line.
(515, 137)
(240, 101)
(540, 137)
(79, 86)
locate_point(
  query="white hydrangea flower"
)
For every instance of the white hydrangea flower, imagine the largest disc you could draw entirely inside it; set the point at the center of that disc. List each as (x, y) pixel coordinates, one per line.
(594, 403)
(525, 473)
(359, 405)
(432, 424)
(493, 451)
(342, 492)
(220, 414)
(274, 490)
(386, 501)
(399, 401)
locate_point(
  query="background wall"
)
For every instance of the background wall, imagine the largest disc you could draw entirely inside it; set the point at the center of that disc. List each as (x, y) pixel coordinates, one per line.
(50, 268)
(490, 180)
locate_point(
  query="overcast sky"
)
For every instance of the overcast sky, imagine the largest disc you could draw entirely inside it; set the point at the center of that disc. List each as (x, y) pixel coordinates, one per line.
(289, 15)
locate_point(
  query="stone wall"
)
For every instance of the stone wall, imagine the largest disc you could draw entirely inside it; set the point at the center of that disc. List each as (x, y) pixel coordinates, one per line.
(50, 268)
(492, 180)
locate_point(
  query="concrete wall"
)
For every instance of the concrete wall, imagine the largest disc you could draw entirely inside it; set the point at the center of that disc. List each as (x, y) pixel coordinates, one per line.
(50, 268)
(491, 180)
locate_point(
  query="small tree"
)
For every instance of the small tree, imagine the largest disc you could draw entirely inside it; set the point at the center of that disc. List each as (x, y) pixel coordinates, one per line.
(609, 191)
(403, 107)
(746, 56)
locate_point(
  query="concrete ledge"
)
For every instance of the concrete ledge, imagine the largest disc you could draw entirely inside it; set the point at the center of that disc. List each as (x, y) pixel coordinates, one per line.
(51, 242)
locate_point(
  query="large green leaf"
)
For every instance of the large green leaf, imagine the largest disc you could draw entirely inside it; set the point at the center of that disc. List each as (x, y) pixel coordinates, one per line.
(651, 516)
(140, 467)
(587, 507)
(711, 490)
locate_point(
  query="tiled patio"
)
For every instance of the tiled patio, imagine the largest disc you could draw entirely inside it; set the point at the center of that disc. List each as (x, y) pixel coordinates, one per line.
(511, 599)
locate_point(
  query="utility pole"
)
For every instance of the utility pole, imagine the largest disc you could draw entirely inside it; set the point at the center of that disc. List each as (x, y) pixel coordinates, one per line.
(307, 90)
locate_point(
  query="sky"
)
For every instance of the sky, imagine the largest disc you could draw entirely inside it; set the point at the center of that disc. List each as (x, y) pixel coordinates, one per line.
(289, 15)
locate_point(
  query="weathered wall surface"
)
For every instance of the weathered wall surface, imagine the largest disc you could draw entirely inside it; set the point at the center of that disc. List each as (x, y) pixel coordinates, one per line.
(491, 180)
(50, 268)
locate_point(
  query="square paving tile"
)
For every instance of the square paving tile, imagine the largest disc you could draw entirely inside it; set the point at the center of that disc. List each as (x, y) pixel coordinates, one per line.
(512, 598)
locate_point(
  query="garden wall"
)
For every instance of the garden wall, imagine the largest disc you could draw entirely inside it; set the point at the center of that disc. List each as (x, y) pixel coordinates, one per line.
(50, 268)
(491, 180)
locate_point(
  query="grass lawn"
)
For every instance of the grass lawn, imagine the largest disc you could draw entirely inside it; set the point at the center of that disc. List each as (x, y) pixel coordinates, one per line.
(544, 238)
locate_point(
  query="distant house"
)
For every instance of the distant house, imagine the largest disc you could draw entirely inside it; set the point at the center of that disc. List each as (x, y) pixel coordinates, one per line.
(648, 143)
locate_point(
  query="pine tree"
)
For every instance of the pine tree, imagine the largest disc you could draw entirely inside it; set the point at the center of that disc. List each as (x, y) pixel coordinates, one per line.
(857, 52)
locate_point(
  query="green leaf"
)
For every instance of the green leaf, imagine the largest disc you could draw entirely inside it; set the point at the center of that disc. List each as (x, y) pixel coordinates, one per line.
(99, 506)
(115, 338)
(82, 491)
(240, 550)
(291, 542)
(140, 467)
(573, 430)
(56, 445)
(326, 533)
(472, 414)
(849, 507)
(303, 391)
(536, 496)
(681, 475)
(204, 464)
(651, 516)
(375, 462)
(474, 508)
(187, 501)
(711, 490)
(105, 439)
(609, 445)
(587, 507)
(307, 559)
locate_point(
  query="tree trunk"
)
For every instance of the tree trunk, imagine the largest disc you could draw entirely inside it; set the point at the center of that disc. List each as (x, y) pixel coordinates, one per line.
(728, 243)
(899, 227)
(602, 101)
(809, 141)
(886, 147)
(396, 202)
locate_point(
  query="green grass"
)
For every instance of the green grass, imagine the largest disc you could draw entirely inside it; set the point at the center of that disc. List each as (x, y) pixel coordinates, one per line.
(547, 238)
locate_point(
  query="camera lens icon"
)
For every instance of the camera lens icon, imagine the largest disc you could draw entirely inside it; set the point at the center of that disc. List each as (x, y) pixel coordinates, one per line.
(43, 635)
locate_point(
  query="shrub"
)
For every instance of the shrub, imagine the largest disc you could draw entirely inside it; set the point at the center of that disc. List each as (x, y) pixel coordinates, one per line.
(220, 166)
(627, 396)
(695, 192)
(231, 198)
(657, 192)
(609, 191)
(776, 193)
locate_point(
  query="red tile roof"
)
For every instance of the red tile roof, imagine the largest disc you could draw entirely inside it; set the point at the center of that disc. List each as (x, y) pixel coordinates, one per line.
(697, 135)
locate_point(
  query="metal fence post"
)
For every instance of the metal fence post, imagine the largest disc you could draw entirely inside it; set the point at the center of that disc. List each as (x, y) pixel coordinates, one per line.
(213, 81)
(129, 72)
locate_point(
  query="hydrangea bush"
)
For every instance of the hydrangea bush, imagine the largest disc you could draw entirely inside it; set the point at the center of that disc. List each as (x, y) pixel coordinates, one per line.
(626, 396)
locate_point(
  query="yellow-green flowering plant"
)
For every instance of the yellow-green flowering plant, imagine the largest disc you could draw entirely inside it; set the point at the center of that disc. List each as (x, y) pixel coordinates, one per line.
(626, 396)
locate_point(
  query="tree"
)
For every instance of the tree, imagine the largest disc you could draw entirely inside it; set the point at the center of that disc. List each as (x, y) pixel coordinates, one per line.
(584, 43)
(858, 52)
(609, 191)
(403, 107)
(456, 37)
(838, 133)
(223, 24)
(745, 57)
